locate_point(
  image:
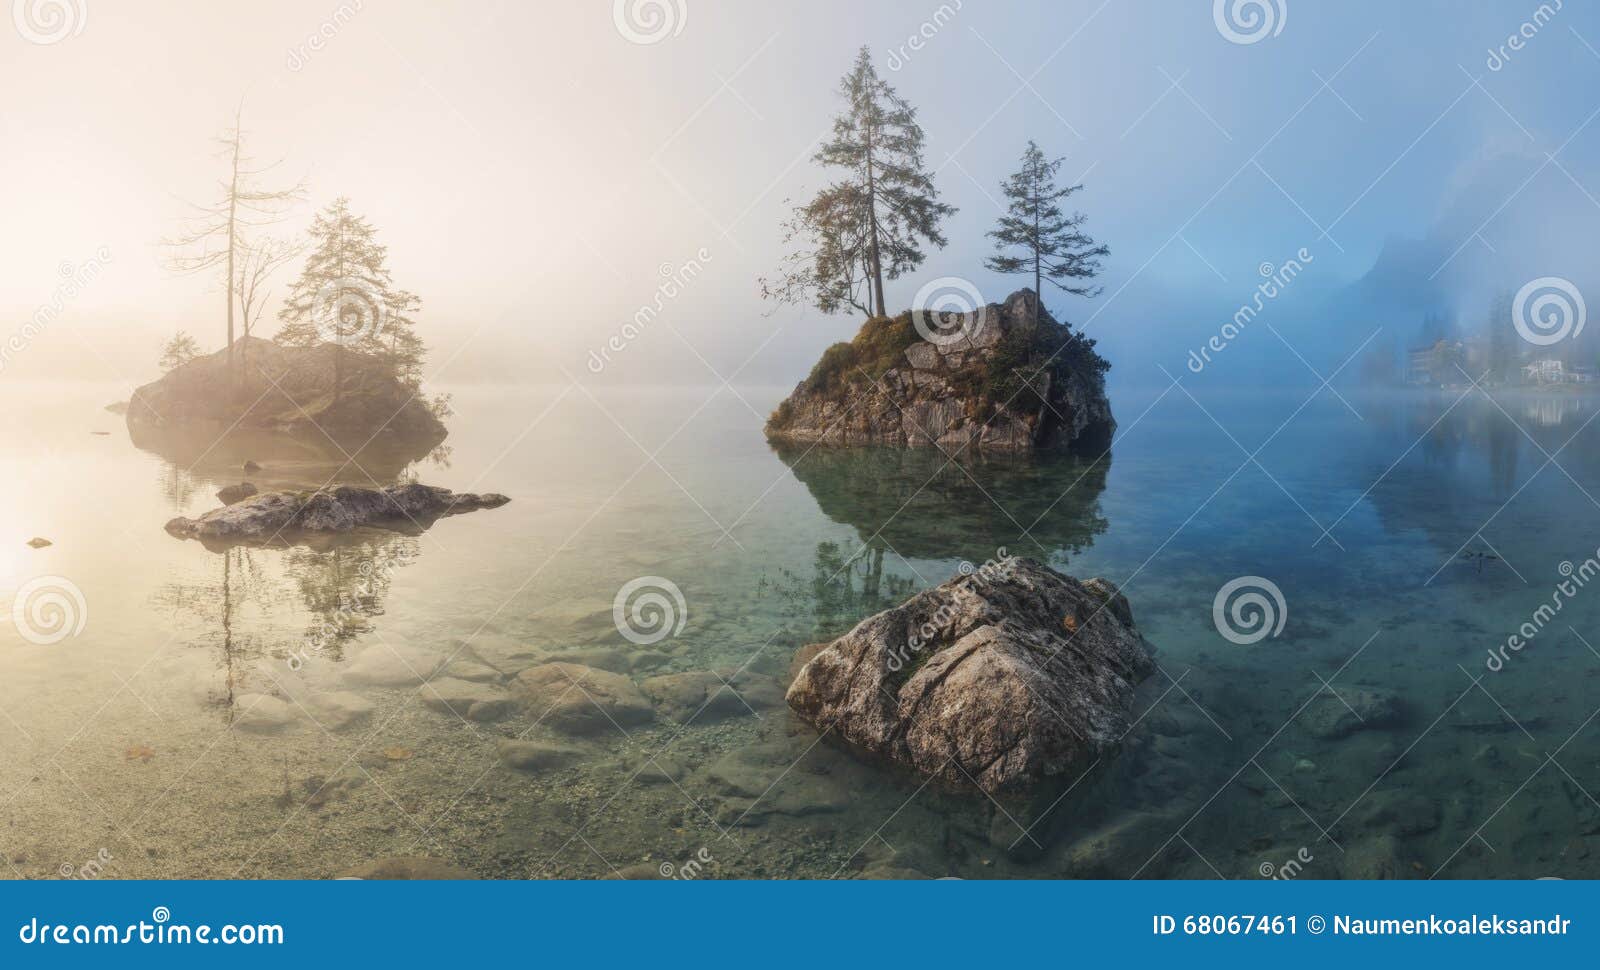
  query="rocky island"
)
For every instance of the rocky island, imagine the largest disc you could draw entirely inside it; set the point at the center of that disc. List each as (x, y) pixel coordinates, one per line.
(1005, 377)
(317, 392)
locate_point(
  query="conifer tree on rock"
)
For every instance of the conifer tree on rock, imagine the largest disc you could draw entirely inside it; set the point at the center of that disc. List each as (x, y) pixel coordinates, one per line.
(870, 224)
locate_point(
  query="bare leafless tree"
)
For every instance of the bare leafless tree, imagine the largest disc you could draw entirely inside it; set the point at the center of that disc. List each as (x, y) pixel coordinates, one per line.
(214, 232)
(259, 259)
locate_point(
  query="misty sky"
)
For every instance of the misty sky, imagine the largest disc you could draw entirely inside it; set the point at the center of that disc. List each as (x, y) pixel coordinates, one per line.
(532, 169)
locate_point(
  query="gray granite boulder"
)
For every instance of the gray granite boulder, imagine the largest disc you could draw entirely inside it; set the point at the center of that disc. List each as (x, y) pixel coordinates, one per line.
(1009, 677)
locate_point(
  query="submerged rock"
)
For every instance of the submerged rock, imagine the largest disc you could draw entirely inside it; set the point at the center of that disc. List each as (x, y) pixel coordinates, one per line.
(409, 867)
(699, 695)
(581, 700)
(337, 710)
(1005, 377)
(537, 755)
(1331, 717)
(339, 508)
(263, 713)
(1001, 679)
(392, 665)
(231, 494)
(466, 699)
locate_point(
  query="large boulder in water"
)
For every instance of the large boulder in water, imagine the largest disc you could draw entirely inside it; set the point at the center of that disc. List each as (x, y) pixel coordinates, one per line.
(1005, 377)
(1005, 678)
(279, 515)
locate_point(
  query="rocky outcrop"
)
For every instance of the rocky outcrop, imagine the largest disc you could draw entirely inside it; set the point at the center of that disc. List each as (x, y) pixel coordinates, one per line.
(1006, 678)
(1001, 378)
(340, 508)
(291, 390)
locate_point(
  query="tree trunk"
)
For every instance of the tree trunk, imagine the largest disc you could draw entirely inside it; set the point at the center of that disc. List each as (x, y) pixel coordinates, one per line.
(233, 208)
(872, 215)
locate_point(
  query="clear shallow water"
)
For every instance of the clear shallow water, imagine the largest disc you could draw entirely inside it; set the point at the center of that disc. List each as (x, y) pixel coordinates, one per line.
(122, 743)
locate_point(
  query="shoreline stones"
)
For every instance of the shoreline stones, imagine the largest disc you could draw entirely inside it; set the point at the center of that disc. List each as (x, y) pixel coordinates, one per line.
(234, 494)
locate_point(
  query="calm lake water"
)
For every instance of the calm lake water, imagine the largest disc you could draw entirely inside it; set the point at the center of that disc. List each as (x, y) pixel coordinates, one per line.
(128, 749)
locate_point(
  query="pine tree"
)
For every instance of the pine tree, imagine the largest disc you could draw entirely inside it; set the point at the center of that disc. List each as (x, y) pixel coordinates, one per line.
(871, 224)
(178, 351)
(346, 296)
(1054, 246)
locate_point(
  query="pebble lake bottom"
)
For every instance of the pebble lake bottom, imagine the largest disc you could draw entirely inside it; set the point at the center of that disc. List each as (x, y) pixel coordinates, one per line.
(246, 713)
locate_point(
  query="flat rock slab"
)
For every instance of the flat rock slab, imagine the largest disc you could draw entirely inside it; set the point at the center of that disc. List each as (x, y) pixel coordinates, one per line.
(580, 699)
(278, 516)
(1001, 679)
